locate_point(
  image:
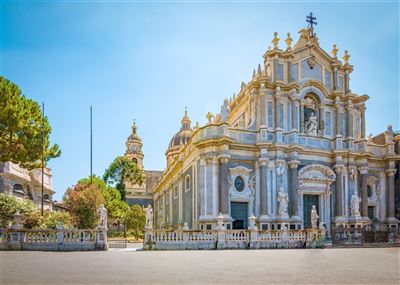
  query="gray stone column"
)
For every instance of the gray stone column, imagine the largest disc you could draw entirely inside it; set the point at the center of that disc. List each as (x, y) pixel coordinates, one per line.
(302, 117)
(321, 119)
(224, 182)
(276, 107)
(391, 195)
(337, 105)
(339, 190)
(349, 121)
(364, 191)
(293, 105)
(263, 186)
(294, 210)
(362, 109)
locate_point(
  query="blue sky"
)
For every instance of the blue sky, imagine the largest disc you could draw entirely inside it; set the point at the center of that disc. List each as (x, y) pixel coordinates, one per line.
(149, 60)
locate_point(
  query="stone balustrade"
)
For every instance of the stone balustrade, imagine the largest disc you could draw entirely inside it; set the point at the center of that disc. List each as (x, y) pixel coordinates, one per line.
(231, 239)
(53, 240)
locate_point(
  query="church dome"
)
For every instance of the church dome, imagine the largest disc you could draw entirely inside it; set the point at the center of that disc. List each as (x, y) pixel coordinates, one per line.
(183, 136)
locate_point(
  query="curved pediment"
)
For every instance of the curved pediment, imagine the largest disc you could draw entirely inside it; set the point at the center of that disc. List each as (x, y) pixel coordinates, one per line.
(317, 172)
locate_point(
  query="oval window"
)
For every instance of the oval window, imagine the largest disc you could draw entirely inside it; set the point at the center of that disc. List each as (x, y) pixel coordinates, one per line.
(239, 183)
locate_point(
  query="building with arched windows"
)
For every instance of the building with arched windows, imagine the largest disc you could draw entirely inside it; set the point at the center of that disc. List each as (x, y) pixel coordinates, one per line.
(292, 138)
(27, 184)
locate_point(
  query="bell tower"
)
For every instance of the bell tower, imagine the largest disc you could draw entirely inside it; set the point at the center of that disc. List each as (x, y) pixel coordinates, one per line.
(134, 147)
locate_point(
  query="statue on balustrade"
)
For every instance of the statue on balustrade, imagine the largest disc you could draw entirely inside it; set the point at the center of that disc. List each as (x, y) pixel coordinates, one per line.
(283, 203)
(355, 205)
(102, 212)
(314, 217)
(312, 125)
(149, 217)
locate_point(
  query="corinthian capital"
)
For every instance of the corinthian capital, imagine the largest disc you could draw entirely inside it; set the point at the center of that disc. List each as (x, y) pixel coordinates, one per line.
(363, 169)
(224, 158)
(293, 164)
(263, 160)
(391, 172)
(339, 167)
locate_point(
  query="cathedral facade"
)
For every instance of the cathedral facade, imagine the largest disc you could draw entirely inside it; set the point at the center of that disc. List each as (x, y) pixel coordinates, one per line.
(293, 138)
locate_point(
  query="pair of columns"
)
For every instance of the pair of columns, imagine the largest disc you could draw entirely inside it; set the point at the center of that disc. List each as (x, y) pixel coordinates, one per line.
(293, 164)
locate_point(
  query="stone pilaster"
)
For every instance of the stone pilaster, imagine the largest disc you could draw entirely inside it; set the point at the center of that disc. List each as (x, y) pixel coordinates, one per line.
(339, 190)
(337, 106)
(293, 105)
(349, 110)
(302, 103)
(321, 119)
(391, 195)
(293, 164)
(364, 191)
(215, 177)
(263, 161)
(362, 109)
(223, 179)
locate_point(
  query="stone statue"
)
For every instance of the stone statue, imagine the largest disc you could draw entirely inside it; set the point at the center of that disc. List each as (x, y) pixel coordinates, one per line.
(355, 205)
(389, 134)
(224, 111)
(314, 217)
(312, 125)
(149, 217)
(102, 211)
(280, 169)
(283, 202)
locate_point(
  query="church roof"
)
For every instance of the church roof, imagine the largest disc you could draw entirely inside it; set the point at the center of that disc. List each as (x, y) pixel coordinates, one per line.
(184, 134)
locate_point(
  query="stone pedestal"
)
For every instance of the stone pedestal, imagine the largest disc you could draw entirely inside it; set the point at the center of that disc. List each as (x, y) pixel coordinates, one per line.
(101, 239)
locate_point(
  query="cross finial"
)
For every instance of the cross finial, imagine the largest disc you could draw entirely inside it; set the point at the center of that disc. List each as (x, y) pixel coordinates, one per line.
(134, 122)
(310, 19)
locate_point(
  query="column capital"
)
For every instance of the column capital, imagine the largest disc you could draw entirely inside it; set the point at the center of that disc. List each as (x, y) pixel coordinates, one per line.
(339, 167)
(208, 159)
(293, 97)
(363, 169)
(362, 108)
(224, 158)
(391, 172)
(293, 164)
(263, 160)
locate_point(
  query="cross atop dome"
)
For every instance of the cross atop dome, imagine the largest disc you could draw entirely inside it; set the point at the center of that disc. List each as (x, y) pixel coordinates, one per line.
(310, 19)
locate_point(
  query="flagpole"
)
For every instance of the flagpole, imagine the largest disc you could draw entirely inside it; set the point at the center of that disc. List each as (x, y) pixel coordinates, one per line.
(91, 147)
(42, 156)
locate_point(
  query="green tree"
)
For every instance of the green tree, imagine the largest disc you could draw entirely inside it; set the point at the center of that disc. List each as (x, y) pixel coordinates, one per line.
(83, 202)
(135, 220)
(49, 220)
(10, 204)
(21, 129)
(123, 170)
(116, 208)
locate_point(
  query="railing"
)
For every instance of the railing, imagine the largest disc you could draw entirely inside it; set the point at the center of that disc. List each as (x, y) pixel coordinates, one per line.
(53, 240)
(372, 233)
(229, 239)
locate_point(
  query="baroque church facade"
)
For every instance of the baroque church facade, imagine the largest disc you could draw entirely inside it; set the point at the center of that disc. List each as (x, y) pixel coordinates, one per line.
(140, 194)
(293, 138)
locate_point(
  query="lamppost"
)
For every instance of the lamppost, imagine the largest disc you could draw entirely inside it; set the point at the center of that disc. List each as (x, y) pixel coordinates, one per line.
(42, 156)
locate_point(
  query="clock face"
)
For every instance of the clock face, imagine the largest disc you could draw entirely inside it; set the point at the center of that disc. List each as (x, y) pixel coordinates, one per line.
(134, 148)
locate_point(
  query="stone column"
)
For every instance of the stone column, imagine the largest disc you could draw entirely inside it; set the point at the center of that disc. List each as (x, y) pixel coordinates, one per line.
(302, 116)
(215, 176)
(276, 107)
(391, 196)
(339, 190)
(349, 121)
(293, 164)
(321, 119)
(224, 182)
(364, 191)
(362, 109)
(337, 105)
(293, 101)
(263, 186)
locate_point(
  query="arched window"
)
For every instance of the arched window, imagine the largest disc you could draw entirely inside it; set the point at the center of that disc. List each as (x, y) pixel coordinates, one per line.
(18, 189)
(28, 193)
(187, 183)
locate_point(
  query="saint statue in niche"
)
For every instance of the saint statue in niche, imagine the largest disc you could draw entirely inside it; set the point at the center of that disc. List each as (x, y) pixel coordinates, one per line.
(283, 203)
(355, 205)
(312, 125)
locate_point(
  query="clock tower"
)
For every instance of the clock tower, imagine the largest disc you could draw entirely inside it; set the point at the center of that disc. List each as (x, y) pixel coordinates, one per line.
(134, 147)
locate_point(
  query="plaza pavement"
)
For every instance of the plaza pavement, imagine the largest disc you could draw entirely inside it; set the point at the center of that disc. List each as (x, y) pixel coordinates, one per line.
(299, 266)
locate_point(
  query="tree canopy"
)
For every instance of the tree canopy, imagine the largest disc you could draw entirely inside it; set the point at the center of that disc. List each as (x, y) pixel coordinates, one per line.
(10, 204)
(83, 202)
(135, 219)
(123, 170)
(21, 129)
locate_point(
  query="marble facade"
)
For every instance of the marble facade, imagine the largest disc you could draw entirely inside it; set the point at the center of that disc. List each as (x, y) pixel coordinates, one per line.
(292, 138)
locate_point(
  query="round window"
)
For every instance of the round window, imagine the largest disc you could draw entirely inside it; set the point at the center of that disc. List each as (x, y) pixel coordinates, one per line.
(239, 183)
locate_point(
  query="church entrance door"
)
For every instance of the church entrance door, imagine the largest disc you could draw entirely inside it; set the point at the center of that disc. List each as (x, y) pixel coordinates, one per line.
(239, 213)
(309, 201)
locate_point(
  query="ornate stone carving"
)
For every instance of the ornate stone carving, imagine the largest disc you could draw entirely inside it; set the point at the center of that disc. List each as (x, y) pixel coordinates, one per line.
(363, 169)
(293, 164)
(263, 161)
(355, 205)
(311, 125)
(149, 218)
(314, 217)
(225, 111)
(102, 212)
(339, 168)
(352, 172)
(275, 40)
(283, 203)
(389, 135)
(310, 103)
(316, 172)
(280, 168)
(334, 51)
(346, 57)
(224, 158)
(391, 172)
(371, 180)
